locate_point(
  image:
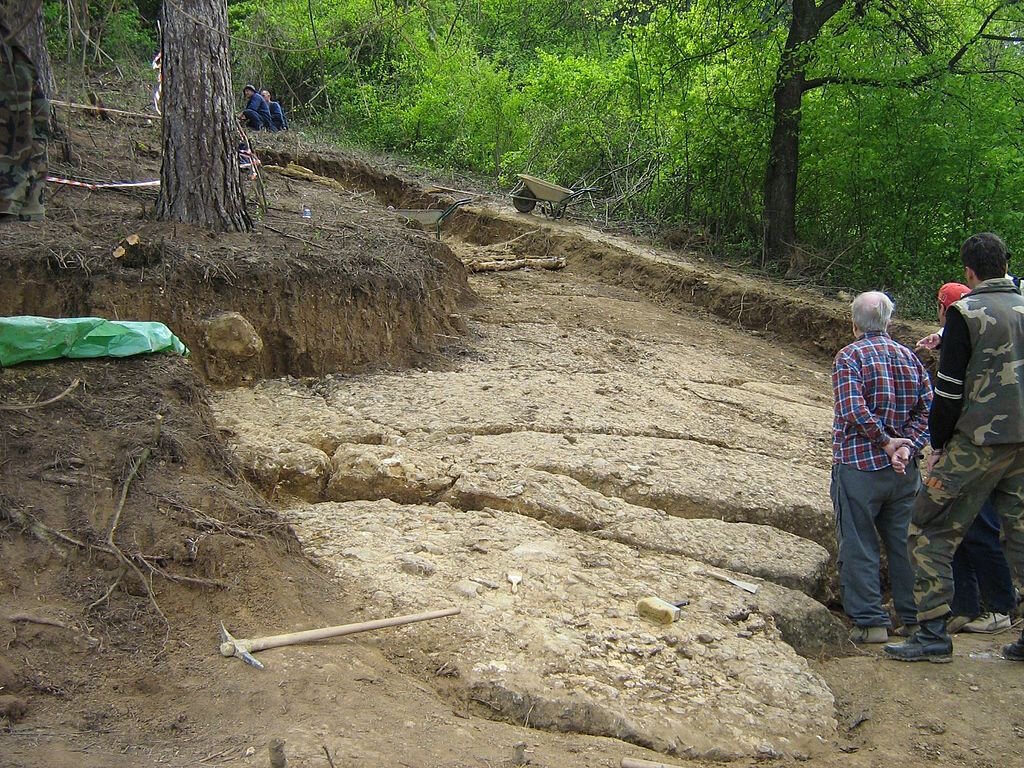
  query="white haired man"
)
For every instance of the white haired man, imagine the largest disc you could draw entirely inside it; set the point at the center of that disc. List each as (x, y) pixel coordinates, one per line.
(882, 397)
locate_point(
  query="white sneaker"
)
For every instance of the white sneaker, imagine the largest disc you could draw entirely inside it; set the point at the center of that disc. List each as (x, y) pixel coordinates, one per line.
(988, 623)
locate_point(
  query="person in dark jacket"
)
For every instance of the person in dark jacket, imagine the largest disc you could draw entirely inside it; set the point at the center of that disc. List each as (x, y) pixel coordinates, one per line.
(256, 114)
(977, 437)
(276, 112)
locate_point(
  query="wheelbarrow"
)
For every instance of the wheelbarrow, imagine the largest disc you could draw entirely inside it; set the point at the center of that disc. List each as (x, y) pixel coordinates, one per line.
(430, 217)
(553, 199)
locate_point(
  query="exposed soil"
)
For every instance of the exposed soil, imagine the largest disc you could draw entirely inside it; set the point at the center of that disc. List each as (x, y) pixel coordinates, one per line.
(90, 673)
(353, 290)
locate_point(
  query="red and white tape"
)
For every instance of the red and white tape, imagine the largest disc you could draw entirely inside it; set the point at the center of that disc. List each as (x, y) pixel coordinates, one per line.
(103, 185)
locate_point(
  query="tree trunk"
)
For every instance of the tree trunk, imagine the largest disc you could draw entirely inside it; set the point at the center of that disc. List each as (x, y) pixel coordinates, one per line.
(32, 39)
(783, 165)
(784, 158)
(200, 181)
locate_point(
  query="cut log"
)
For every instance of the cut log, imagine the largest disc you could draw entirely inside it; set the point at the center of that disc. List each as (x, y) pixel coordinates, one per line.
(505, 265)
(128, 243)
(294, 171)
(133, 251)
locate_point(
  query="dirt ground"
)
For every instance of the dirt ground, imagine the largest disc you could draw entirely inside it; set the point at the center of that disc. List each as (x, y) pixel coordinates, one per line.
(91, 675)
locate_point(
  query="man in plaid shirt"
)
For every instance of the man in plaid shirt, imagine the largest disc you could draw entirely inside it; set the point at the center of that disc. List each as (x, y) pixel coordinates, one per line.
(882, 397)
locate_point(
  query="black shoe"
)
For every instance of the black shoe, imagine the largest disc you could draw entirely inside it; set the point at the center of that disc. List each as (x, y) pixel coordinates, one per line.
(1015, 651)
(930, 643)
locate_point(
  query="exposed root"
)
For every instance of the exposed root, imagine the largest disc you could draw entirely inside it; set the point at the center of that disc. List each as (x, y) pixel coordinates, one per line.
(29, 619)
(106, 595)
(29, 406)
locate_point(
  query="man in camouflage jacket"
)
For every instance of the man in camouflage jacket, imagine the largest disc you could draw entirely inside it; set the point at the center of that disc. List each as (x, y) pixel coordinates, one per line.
(977, 435)
(23, 130)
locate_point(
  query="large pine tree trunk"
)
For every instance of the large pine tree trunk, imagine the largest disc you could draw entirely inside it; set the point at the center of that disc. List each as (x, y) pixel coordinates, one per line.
(199, 177)
(32, 38)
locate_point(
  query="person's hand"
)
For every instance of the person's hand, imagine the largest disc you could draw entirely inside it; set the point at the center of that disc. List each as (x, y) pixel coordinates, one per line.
(900, 459)
(933, 459)
(931, 341)
(895, 443)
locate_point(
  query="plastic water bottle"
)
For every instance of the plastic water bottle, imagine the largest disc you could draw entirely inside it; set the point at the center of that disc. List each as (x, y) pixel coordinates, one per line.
(307, 213)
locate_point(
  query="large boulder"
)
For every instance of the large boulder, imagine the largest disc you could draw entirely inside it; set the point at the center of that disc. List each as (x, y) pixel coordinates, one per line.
(287, 468)
(387, 472)
(231, 347)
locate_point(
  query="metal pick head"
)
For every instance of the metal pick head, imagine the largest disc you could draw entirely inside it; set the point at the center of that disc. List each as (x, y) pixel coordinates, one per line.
(248, 658)
(229, 646)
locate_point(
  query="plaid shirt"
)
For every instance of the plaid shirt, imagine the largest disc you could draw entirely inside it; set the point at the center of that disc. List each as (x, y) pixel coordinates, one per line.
(881, 390)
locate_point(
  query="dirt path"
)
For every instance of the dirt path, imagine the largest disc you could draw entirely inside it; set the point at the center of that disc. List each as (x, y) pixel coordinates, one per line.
(571, 377)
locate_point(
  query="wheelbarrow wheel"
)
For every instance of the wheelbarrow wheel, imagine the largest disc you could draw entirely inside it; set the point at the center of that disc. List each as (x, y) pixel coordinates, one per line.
(524, 200)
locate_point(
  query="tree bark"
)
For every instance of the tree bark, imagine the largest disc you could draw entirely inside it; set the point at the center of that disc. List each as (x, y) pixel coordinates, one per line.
(780, 185)
(32, 38)
(200, 181)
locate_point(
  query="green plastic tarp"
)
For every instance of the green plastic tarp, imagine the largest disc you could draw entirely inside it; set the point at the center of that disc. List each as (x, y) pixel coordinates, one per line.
(26, 337)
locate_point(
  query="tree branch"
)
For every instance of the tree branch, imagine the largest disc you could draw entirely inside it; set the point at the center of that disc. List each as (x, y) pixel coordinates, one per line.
(977, 35)
(949, 67)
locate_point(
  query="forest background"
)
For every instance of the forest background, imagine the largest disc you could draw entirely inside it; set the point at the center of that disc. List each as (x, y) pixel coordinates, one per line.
(891, 128)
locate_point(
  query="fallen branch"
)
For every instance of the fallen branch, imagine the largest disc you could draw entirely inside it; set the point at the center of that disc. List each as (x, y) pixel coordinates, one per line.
(518, 237)
(29, 406)
(505, 265)
(294, 171)
(436, 189)
(108, 110)
(203, 521)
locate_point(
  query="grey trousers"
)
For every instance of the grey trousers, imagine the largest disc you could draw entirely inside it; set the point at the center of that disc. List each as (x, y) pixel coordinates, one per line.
(871, 507)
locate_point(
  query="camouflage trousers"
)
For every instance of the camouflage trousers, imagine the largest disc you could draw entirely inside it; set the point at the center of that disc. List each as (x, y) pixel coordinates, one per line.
(24, 115)
(951, 497)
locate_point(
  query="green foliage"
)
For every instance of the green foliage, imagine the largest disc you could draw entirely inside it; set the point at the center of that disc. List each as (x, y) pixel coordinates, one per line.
(101, 33)
(909, 131)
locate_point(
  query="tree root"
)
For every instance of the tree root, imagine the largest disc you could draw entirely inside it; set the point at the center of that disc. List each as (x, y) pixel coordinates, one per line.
(143, 566)
(30, 406)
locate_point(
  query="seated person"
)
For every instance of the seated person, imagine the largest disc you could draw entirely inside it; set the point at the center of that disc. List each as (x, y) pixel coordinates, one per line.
(256, 115)
(276, 113)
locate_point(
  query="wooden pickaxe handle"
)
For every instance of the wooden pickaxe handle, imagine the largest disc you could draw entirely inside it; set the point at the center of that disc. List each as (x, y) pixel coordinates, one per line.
(309, 635)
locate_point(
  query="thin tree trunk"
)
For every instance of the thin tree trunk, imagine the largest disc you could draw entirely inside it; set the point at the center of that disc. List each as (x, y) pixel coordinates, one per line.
(199, 178)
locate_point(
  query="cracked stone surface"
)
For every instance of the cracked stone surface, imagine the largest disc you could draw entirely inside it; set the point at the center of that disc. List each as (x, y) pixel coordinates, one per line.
(567, 650)
(606, 450)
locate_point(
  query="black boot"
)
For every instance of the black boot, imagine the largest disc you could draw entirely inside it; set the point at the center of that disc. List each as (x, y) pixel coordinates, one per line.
(1015, 651)
(930, 643)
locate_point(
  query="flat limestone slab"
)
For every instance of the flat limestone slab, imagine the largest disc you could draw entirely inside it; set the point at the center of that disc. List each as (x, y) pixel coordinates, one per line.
(681, 477)
(758, 550)
(566, 649)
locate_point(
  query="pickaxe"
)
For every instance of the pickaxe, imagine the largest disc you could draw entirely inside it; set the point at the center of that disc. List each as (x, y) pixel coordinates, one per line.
(244, 649)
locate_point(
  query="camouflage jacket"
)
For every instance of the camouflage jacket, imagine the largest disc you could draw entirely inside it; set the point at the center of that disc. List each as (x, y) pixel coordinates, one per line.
(993, 386)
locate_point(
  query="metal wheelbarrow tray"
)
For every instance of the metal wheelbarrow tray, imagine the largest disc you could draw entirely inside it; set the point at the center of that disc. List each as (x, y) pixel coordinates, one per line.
(430, 217)
(553, 199)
